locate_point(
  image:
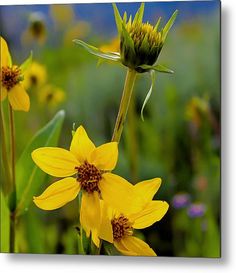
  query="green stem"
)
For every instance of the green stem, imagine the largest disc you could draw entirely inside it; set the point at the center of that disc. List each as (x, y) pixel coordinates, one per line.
(124, 104)
(5, 160)
(13, 201)
(132, 140)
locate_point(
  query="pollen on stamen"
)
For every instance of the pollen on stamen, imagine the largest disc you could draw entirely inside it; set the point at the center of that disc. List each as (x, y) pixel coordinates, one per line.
(88, 176)
(121, 227)
(10, 76)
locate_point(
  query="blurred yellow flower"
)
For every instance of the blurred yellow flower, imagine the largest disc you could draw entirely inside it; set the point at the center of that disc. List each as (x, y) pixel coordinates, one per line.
(196, 109)
(36, 30)
(36, 76)
(11, 78)
(113, 46)
(117, 227)
(80, 29)
(92, 168)
(51, 95)
(62, 14)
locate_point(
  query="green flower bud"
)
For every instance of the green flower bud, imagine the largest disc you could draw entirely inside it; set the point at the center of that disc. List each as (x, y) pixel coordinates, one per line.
(146, 45)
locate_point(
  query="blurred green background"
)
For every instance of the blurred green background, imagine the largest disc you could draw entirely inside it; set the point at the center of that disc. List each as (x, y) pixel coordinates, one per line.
(179, 140)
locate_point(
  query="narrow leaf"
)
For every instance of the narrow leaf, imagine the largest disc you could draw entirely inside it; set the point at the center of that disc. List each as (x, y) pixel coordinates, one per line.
(128, 40)
(158, 67)
(118, 18)
(97, 52)
(125, 18)
(4, 225)
(152, 74)
(168, 25)
(26, 64)
(157, 24)
(139, 15)
(29, 177)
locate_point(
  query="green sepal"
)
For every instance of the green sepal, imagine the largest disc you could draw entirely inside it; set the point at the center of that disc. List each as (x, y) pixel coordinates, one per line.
(168, 25)
(118, 18)
(125, 18)
(138, 18)
(115, 57)
(157, 24)
(158, 67)
(26, 64)
(152, 74)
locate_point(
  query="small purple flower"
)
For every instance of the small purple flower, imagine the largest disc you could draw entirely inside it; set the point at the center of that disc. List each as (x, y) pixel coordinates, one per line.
(196, 210)
(181, 200)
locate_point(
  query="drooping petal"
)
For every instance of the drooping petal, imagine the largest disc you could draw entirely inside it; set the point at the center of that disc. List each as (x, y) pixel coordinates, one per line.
(105, 230)
(137, 246)
(116, 191)
(5, 55)
(58, 194)
(90, 213)
(18, 98)
(122, 249)
(152, 213)
(105, 156)
(57, 162)
(81, 146)
(3, 93)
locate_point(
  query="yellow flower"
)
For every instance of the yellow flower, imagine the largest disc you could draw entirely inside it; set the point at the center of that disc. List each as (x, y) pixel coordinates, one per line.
(117, 227)
(113, 46)
(11, 78)
(36, 76)
(79, 29)
(51, 95)
(62, 15)
(91, 167)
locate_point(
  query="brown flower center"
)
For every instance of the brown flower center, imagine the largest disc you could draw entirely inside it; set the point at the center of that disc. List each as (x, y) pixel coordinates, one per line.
(121, 227)
(88, 176)
(10, 76)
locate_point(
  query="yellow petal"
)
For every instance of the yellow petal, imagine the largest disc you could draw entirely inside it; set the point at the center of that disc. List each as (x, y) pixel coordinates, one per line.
(18, 98)
(105, 231)
(122, 249)
(152, 213)
(81, 146)
(116, 191)
(5, 55)
(90, 213)
(137, 246)
(95, 238)
(58, 194)
(144, 192)
(57, 162)
(3, 93)
(105, 156)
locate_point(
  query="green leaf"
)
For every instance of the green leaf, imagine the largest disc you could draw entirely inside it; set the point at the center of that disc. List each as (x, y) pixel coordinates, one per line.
(158, 67)
(157, 24)
(29, 177)
(128, 42)
(118, 18)
(139, 15)
(168, 25)
(97, 52)
(27, 63)
(152, 74)
(125, 18)
(110, 249)
(4, 225)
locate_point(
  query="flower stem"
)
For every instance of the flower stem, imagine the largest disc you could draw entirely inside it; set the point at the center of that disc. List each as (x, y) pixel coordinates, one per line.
(124, 104)
(5, 160)
(13, 197)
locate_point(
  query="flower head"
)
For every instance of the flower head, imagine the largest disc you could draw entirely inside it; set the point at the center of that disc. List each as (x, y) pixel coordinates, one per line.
(117, 227)
(36, 76)
(51, 95)
(11, 79)
(181, 200)
(88, 169)
(196, 210)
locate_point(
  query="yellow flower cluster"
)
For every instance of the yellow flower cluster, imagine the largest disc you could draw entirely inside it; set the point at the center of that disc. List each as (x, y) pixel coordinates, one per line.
(111, 207)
